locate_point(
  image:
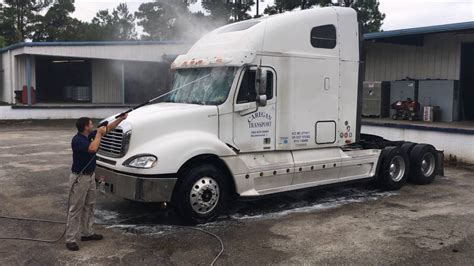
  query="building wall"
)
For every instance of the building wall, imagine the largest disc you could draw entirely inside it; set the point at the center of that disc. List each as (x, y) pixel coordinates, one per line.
(5, 72)
(149, 53)
(14, 75)
(21, 70)
(438, 58)
(13, 65)
(7, 113)
(2, 74)
(106, 81)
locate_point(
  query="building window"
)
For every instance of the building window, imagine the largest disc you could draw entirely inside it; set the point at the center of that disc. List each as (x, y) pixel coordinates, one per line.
(247, 91)
(323, 37)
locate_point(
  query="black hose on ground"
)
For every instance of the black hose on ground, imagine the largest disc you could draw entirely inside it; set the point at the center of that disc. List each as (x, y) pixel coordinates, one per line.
(67, 218)
(105, 224)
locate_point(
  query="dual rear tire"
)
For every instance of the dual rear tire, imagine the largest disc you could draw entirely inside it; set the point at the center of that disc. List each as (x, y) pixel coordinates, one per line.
(424, 162)
(412, 162)
(394, 168)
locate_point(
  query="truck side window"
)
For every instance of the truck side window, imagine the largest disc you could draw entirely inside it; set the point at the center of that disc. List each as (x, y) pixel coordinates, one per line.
(323, 37)
(247, 87)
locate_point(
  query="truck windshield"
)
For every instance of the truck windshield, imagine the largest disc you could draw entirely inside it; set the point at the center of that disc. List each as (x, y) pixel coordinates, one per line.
(208, 86)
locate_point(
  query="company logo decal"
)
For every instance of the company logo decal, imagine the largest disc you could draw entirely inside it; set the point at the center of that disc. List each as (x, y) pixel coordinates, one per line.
(259, 124)
(255, 120)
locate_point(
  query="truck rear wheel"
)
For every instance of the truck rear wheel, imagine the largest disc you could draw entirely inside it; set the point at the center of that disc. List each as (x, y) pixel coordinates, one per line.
(407, 147)
(201, 194)
(424, 164)
(393, 171)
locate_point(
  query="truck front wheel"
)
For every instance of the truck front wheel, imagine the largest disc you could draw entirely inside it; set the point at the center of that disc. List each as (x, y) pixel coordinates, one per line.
(201, 194)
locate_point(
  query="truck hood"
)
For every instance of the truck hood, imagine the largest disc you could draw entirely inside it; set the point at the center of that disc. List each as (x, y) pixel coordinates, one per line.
(157, 120)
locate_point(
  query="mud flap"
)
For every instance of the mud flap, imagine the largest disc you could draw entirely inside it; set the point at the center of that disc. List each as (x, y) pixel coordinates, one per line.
(440, 163)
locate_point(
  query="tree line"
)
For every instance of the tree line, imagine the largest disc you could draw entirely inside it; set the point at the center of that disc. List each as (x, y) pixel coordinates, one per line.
(48, 20)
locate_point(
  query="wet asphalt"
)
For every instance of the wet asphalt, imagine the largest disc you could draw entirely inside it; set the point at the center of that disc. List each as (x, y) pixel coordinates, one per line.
(351, 224)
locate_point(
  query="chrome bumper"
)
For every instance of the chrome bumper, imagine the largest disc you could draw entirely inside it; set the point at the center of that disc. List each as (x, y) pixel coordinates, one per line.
(136, 188)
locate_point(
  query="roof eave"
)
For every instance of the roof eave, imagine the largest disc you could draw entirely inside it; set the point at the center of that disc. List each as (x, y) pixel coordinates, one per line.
(88, 43)
(420, 30)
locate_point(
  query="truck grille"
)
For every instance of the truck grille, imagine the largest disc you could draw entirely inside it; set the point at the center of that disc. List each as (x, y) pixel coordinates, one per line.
(114, 143)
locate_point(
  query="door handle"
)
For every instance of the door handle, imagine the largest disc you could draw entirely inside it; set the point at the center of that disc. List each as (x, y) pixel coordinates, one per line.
(327, 84)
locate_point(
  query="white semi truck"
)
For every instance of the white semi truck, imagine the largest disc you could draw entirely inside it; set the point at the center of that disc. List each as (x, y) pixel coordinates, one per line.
(258, 107)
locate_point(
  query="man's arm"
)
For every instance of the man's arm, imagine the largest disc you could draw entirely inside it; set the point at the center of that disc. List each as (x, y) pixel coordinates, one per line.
(116, 122)
(94, 146)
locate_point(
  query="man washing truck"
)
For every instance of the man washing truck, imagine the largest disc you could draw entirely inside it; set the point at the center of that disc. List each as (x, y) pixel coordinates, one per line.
(82, 180)
(258, 107)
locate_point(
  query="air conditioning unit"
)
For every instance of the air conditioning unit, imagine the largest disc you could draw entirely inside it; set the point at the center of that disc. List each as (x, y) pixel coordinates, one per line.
(375, 99)
(443, 93)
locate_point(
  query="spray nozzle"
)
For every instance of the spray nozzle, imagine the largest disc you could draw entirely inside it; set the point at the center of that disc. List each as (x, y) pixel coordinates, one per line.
(103, 124)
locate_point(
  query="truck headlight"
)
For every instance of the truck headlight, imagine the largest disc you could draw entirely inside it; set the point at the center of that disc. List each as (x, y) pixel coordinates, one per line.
(141, 161)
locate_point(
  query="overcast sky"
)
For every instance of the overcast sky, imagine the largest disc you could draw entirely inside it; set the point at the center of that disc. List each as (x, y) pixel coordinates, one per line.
(400, 14)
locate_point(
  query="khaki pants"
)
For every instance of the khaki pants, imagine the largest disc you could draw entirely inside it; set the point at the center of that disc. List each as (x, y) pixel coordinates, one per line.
(81, 206)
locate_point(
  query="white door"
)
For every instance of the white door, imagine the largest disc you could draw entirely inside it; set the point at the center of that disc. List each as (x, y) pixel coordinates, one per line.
(254, 127)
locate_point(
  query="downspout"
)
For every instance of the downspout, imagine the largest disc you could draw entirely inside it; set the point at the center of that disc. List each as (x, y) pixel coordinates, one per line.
(10, 72)
(28, 78)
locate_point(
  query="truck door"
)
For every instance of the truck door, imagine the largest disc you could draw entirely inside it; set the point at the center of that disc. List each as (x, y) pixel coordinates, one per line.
(254, 127)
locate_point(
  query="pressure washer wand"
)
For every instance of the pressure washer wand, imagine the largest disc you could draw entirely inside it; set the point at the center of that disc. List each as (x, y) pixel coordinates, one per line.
(161, 96)
(105, 123)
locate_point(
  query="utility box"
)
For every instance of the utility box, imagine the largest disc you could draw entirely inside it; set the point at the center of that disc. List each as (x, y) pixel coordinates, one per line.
(81, 94)
(400, 90)
(443, 93)
(376, 99)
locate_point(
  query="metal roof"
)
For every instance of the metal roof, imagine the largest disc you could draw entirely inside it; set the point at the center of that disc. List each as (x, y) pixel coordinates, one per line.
(87, 43)
(420, 30)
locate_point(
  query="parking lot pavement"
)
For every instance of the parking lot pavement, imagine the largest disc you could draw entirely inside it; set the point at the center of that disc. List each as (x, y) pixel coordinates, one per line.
(352, 224)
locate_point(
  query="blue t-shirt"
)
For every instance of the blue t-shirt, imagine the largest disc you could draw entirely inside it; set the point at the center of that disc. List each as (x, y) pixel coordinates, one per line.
(80, 153)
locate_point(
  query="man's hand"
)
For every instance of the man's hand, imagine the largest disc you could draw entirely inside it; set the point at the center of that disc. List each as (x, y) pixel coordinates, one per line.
(102, 130)
(94, 146)
(116, 122)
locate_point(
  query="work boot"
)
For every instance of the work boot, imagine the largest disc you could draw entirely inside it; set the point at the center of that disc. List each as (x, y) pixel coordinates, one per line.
(92, 237)
(72, 246)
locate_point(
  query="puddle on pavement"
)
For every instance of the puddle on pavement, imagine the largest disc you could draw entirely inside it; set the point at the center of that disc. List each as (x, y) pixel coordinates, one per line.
(145, 218)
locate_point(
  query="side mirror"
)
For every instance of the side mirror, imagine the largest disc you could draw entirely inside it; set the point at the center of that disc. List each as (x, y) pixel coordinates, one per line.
(262, 100)
(261, 81)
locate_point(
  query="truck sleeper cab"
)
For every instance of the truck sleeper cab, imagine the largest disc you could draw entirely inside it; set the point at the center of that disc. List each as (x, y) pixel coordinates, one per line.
(258, 108)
